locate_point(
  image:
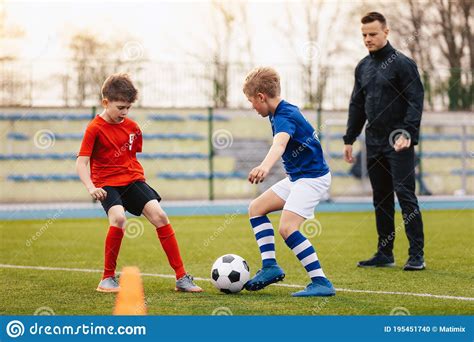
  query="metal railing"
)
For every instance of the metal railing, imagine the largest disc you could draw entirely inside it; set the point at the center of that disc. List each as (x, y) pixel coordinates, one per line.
(187, 85)
(443, 129)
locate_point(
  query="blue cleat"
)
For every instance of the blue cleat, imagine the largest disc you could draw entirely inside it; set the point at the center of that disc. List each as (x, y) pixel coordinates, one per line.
(320, 287)
(264, 277)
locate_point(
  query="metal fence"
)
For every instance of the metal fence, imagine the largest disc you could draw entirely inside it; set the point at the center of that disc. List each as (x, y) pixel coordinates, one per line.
(444, 162)
(186, 85)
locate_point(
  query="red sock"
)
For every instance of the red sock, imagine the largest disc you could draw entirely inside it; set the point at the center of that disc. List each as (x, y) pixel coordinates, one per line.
(170, 246)
(112, 248)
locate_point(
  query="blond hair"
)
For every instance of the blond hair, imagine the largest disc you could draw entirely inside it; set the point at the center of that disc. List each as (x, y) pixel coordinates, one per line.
(262, 80)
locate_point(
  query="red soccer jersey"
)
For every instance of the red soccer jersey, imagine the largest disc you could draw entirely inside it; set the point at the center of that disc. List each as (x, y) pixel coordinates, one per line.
(112, 149)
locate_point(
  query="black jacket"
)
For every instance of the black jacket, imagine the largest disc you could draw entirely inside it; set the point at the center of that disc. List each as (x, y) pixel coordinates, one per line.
(388, 94)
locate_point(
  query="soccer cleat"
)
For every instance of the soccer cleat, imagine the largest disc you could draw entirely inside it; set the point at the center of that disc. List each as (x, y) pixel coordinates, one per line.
(109, 284)
(416, 263)
(320, 287)
(186, 284)
(264, 277)
(378, 260)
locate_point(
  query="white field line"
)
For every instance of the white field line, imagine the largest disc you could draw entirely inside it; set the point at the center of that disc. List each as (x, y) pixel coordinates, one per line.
(45, 268)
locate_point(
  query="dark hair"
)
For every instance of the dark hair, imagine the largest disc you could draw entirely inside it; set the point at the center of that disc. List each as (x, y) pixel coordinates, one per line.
(119, 87)
(374, 16)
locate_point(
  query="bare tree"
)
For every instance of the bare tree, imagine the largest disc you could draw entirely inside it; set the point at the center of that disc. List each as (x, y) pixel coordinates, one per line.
(314, 54)
(453, 21)
(85, 49)
(14, 82)
(220, 56)
(438, 35)
(93, 60)
(230, 46)
(411, 23)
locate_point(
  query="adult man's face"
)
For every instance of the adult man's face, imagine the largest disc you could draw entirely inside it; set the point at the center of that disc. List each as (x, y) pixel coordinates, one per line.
(375, 35)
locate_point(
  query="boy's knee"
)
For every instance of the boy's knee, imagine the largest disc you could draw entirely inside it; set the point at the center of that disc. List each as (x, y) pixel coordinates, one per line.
(255, 209)
(159, 219)
(118, 221)
(284, 231)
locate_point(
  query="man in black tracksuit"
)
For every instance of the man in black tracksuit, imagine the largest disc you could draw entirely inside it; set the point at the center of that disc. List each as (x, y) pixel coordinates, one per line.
(388, 94)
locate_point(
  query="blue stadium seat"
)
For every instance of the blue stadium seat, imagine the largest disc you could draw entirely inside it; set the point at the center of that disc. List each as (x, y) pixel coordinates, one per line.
(68, 136)
(433, 137)
(334, 136)
(43, 177)
(202, 117)
(172, 156)
(56, 177)
(165, 117)
(442, 137)
(44, 117)
(336, 155)
(17, 136)
(201, 175)
(343, 174)
(78, 136)
(37, 156)
(458, 172)
(424, 154)
(65, 156)
(441, 155)
(173, 136)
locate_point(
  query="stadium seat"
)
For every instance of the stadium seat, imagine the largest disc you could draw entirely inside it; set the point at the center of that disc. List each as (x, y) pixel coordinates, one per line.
(44, 117)
(202, 117)
(17, 136)
(458, 172)
(165, 117)
(78, 136)
(201, 175)
(431, 137)
(173, 136)
(56, 177)
(43, 177)
(63, 156)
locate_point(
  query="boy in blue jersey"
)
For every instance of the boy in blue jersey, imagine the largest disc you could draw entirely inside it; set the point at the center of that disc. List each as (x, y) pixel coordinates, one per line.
(308, 181)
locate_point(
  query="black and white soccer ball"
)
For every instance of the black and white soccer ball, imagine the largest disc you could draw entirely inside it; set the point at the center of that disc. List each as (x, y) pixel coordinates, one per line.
(229, 273)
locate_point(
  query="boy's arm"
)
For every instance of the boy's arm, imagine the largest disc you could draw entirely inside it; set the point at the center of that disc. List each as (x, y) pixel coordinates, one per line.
(258, 174)
(83, 170)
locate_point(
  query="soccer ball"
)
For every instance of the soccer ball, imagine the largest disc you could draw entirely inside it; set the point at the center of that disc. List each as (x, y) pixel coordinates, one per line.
(229, 273)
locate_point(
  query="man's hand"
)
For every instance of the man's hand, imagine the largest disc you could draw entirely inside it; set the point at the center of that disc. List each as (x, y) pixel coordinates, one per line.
(402, 143)
(258, 174)
(348, 154)
(98, 194)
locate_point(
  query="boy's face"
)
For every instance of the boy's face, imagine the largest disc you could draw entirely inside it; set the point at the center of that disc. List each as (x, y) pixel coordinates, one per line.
(375, 35)
(116, 110)
(259, 103)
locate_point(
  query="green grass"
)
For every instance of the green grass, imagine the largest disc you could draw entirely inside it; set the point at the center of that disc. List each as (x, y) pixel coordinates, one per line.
(345, 238)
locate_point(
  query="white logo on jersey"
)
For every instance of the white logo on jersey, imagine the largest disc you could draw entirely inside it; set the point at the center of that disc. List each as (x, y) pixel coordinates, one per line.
(131, 138)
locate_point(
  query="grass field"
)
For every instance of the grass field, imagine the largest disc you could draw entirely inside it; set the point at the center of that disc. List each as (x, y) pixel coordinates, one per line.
(344, 238)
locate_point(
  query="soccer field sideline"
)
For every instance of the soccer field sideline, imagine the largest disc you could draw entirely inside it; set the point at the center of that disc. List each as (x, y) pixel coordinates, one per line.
(37, 211)
(65, 269)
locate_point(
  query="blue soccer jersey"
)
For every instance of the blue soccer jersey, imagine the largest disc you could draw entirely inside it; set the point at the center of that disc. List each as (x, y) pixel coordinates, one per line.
(303, 156)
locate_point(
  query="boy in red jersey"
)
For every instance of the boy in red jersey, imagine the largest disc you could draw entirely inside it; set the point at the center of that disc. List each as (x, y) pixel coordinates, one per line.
(117, 180)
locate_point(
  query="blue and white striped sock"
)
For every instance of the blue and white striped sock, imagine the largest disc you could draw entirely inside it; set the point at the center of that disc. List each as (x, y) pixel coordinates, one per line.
(306, 254)
(263, 231)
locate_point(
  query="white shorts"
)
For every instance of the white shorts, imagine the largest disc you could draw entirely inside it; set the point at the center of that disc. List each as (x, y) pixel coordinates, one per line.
(304, 194)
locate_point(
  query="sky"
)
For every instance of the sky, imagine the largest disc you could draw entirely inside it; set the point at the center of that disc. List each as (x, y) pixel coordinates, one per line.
(178, 31)
(166, 30)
